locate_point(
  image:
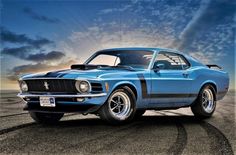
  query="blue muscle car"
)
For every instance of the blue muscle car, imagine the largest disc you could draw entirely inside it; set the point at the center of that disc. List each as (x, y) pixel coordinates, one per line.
(120, 84)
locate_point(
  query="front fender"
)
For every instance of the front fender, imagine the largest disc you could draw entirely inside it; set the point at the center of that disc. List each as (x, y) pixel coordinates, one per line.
(135, 84)
(123, 83)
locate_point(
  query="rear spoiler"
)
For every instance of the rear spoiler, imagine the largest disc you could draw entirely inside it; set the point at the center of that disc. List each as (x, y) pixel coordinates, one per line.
(214, 66)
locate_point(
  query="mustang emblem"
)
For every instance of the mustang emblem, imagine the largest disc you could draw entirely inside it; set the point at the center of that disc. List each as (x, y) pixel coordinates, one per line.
(46, 85)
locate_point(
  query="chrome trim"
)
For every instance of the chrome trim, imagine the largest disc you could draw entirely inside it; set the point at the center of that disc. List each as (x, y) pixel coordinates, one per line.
(151, 64)
(22, 95)
(58, 78)
(46, 78)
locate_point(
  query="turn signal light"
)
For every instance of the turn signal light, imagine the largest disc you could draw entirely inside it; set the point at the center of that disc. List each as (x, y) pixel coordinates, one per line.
(107, 86)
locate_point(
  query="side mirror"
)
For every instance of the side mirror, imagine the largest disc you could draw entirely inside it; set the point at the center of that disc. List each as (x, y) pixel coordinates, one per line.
(157, 67)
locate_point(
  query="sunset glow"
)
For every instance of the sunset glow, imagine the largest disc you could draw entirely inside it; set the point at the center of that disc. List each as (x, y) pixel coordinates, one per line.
(41, 36)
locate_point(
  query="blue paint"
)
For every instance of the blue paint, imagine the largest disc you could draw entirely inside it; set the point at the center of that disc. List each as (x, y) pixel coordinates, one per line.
(182, 89)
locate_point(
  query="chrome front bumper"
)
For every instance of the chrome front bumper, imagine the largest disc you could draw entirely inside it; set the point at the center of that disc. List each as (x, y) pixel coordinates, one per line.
(23, 95)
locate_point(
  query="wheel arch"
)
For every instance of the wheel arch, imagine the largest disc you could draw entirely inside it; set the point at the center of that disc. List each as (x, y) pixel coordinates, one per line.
(212, 83)
(127, 84)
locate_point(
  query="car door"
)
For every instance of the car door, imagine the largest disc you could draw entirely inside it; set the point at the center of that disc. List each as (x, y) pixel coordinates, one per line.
(170, 80)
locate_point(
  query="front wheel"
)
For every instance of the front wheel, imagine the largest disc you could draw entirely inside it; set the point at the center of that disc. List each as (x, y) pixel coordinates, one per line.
(46, 118)
(205, 104)
(120, 106)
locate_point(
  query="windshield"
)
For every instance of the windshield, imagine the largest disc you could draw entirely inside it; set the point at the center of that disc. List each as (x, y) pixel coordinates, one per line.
(134, 59)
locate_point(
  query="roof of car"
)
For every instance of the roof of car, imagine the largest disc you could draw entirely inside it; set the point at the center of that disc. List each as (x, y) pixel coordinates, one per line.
(139, 49)
(153, 49)
(193, 61)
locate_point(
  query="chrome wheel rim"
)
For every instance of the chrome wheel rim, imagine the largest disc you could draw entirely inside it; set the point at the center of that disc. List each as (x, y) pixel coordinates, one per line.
(208, 102)
(120, 105)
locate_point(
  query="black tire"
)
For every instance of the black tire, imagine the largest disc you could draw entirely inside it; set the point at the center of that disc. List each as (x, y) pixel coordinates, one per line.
(108, 115)
(139, 113)
(46, 118)
(198, 106)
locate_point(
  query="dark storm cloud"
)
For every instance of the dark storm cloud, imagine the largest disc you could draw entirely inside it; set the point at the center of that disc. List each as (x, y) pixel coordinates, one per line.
(24, 53)
(39, 17)
(19, 52)
(38, 67)
(53, 55)
(29, 68)
(40, 42)
(11, 37)
(23, 69)
(28, 47)
(8, 36)
(211, 13)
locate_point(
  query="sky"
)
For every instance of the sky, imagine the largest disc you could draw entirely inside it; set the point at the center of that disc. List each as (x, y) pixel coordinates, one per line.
(40, 35)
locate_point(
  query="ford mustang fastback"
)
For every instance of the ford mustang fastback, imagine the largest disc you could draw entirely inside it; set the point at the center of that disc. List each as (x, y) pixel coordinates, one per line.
(121, 84)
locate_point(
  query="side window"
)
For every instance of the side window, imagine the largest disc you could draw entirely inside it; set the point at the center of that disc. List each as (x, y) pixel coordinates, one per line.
(171, 61)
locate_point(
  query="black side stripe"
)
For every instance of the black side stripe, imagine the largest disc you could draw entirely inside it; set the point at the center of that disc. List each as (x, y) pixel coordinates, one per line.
(143, 86)
(146, 95)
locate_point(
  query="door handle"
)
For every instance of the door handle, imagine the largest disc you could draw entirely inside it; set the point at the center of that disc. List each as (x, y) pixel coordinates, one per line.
(185, 75)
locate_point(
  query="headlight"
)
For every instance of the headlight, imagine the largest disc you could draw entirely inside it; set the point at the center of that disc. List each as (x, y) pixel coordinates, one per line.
(23, 86)
(83, 86)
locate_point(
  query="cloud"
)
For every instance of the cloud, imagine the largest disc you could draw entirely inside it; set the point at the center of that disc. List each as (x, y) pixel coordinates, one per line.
(19, 52)
(15, 72)
(24, 53)
(203, 29)
(51, 56)
(112, 10)
(30, 49)
(11, 37)
(8, 36)
(118, 38)
(40, 42)
(210, 14)
(161, 20)
(39, 17)
(105, 11)
(207, 57)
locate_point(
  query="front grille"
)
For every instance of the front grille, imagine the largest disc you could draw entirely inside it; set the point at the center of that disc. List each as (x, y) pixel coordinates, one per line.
(53, 85)
(58, 86)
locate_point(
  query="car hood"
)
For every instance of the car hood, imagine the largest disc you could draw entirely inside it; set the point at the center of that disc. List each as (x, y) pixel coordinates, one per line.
(73, 73)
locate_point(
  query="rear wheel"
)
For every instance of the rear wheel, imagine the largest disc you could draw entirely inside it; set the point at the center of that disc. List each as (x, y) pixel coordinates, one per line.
(46, 118)
(205, 104)
(120, 106)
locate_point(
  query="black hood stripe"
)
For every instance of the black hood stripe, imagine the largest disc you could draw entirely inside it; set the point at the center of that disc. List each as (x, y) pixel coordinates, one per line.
(53, 74)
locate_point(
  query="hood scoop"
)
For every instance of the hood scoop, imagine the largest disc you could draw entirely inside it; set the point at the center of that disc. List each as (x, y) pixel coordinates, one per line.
(83, 66)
